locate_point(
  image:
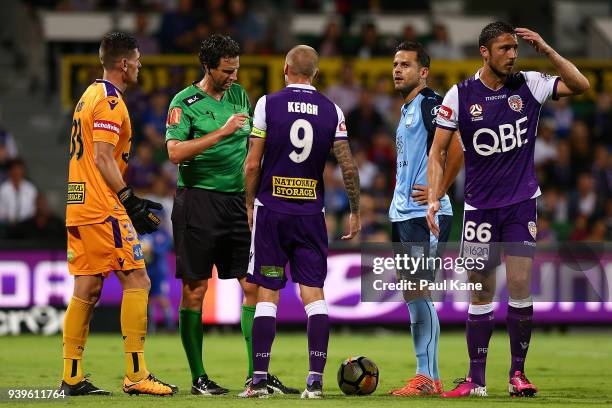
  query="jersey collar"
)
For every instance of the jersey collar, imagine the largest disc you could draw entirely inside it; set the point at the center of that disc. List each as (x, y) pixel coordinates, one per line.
(104, 81)
(302, 86)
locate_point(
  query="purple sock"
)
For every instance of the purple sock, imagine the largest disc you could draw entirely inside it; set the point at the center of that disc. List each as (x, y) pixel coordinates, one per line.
(264, 331)
(478, 333)
(318, 338)
(519, 322)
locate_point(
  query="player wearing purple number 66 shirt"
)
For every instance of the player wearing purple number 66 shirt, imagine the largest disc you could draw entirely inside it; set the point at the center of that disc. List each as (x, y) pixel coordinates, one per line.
(293, 132)
(496, 112)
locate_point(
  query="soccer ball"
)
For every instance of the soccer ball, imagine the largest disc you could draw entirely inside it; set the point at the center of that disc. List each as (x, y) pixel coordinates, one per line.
(358, 376)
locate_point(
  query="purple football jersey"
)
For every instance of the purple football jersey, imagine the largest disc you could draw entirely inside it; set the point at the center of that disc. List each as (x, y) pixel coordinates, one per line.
(300, 126)
(498, 130)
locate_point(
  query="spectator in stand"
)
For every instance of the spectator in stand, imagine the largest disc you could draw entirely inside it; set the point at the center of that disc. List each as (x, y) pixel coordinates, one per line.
(17, 195)
(177, 28)
(580, 231)
(602, 172)
(580, 147)
(373, 226)
(42, 226)
(363, 121)
(331, 42)
(598, 231)
(346, 93)
(441, 46)
(367, 169)
(163, 194)
(603, 117)
(147, 43)
(584, 201)
(608, 217)
(142, 169)
(244, 26)
(369, 44)
(336, 199)
(546, 144)
(408, 35)
(562, 113)
(7, 141)
(154, 125)
(4, 162)
(383, 101)
(379, 191)
(382, 152)
(561, 170)
(553, 205)
(545, 234)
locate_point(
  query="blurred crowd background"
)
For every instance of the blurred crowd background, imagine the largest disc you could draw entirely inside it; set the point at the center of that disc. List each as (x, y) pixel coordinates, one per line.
(572, 152)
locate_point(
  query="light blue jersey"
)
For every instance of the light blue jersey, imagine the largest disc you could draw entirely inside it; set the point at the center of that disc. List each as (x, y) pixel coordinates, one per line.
(413, 139)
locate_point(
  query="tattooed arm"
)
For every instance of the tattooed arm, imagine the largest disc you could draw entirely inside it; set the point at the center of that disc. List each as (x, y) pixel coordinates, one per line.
(350, 174)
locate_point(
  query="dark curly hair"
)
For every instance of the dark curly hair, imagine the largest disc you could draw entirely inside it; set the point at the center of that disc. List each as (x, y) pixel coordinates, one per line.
(492, 31)
(215, 47)
(116, 45)
(422, 56)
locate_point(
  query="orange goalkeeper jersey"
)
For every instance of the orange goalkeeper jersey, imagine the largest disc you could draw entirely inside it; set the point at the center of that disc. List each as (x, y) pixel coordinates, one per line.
(100, 116)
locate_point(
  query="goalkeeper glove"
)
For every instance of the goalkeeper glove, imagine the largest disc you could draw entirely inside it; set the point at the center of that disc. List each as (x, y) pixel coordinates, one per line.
(138, 209)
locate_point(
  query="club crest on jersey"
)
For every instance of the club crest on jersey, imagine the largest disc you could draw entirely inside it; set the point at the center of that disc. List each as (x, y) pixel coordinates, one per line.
(409, 120)
(476, 112)
(435, 110)
(516, 103)
(533, 229)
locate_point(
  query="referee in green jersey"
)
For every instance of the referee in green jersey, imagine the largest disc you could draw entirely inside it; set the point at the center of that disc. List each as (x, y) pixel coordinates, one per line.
(206, 134)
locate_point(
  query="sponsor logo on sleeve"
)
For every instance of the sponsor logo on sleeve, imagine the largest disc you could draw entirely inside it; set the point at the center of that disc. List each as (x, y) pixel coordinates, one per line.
(342, 127)
(435, 110)
(445, 112)
(106, 125)
(174, 116)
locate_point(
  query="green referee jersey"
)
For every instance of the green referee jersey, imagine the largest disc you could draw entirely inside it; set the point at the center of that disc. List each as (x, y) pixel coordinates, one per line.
(192, 114)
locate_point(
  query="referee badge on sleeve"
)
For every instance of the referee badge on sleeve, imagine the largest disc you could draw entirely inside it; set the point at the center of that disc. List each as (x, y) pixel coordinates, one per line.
(174, 116)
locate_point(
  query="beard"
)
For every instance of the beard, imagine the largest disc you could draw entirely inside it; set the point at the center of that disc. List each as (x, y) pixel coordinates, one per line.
(498, 72)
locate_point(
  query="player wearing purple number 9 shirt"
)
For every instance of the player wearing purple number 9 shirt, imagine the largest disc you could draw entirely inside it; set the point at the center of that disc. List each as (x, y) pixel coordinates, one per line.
(496, 112)
(293, 132)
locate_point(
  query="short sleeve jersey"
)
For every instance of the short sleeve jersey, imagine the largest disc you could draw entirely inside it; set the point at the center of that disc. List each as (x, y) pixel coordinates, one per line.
(193, 114)
(300, 126)
(498, 130)
(100, 116)
(413, 138)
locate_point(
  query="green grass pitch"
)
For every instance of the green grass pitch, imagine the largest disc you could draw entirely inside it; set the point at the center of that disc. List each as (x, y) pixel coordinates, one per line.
(570, 370)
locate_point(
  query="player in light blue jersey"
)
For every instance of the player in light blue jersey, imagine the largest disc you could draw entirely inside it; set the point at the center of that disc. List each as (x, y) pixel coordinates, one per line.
(410, 232)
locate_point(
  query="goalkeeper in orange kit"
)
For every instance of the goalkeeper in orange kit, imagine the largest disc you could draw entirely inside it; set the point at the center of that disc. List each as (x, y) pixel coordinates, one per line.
(103, 218)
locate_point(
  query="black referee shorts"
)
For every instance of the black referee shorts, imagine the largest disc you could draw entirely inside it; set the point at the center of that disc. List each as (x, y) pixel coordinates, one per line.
(210, 228)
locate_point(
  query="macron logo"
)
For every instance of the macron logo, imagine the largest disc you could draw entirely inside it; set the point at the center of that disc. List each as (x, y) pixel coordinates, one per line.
(106, 125)
(112, 104)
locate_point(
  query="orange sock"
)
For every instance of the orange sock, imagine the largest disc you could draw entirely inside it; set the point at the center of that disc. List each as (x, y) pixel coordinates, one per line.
(76, 330)
(134, 330)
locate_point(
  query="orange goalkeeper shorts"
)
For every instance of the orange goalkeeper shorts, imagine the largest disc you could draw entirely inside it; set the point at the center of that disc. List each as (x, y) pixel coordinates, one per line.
(105, 247)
